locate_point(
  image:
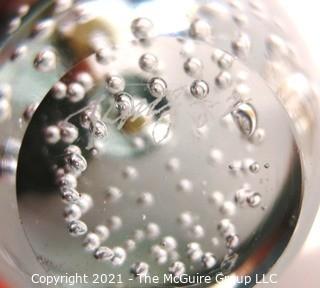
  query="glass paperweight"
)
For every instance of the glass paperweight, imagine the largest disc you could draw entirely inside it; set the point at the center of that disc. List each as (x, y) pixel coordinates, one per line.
(154, 143)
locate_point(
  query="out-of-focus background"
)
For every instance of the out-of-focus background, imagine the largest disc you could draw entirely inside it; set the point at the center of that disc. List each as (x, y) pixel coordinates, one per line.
(304, 270)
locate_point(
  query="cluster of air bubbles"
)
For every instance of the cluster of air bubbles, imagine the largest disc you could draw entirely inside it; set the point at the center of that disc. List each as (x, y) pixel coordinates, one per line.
(74, 164)
(78, 205)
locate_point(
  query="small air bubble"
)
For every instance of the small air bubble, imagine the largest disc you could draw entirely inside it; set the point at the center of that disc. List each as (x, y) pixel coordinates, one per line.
(45, 61)
(185, 185)
(193, 66)
(140, 269)
(119, 257)
(115, 84)
(104, 254)
(208, 260)
(91, 242)
(177, 269)
(157, 87)
(148, 62)
(75, 92)
(223, 80)
(199, 89)
(142, 28)
(72, 212)
(77, 228)
(200, 29)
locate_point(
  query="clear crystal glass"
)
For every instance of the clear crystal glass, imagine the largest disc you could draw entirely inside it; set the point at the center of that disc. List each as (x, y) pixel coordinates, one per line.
(144, 139)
